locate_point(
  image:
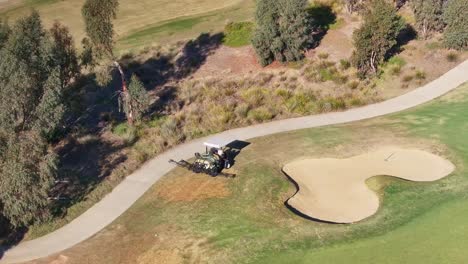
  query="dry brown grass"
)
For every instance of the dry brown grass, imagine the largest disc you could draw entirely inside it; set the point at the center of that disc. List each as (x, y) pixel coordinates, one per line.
(191, 187)
(132, 15)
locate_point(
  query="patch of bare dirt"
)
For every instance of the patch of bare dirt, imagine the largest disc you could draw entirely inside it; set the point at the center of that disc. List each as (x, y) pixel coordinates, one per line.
(338, 43)
(6, 4)
(232, 61)
(192, 187)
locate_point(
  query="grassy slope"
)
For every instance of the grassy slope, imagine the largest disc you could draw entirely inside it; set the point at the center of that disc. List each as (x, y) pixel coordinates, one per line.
(140, 23)
(417, 222)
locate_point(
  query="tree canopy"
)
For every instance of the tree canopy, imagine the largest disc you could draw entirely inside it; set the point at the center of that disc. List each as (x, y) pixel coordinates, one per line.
(98, 16)
(376, 37)
(428, 14)
(456, 18)
(33, 76)
(283, 30)
(98, 49)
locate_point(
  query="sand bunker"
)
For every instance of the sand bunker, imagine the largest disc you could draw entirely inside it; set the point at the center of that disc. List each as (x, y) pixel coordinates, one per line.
(334, 190)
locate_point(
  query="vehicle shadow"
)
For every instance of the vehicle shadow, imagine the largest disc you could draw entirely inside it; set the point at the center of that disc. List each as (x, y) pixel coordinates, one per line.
(234, 149)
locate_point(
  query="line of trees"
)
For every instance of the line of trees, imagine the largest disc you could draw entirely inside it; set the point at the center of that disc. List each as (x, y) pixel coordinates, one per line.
(36, 67)
(284, 30)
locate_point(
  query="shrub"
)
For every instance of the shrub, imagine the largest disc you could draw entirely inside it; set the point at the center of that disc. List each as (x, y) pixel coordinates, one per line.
(253, 96)
(340, 79)
(126, 132)
(407, 78)
(283, 93)
(120, 129)
(420, 75)
(355, 101)
(301, 102)
(395, 70)
(242, 110)
(323, 56)
(138, 100)
(336, 103)
(170, 130)
(325, 75)
(452, 57)
(354, 84)
(156, 121)
(345, 64)
(260, 114)
(265, 78)
(217, 117)
(238, 34)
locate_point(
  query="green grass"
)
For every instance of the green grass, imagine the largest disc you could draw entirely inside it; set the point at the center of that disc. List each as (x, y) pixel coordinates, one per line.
(396, 60)
(121, 129)
(238, 34)
(185, 27)
(169, 27)
(438, 237)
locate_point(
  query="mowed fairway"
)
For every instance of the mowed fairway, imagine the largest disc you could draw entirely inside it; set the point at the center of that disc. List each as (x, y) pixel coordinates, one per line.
(244, 220)
(439, 237)
(133, 16)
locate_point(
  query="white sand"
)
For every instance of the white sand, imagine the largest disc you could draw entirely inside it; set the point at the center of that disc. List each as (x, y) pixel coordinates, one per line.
(334, 190)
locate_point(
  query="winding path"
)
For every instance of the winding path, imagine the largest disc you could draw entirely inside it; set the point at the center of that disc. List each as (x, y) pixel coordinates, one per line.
(135, 185)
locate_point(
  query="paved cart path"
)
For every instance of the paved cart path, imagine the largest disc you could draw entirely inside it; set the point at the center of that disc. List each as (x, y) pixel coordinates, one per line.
(136, 184)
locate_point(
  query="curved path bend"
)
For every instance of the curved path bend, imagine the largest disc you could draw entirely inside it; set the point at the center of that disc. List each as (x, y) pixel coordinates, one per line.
(136, 184)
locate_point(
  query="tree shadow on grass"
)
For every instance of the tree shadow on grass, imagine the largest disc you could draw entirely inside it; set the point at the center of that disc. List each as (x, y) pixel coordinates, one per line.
(84, 163)
(321, 18)
(404, 37)
(161, 69)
